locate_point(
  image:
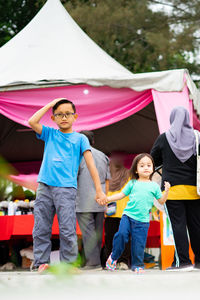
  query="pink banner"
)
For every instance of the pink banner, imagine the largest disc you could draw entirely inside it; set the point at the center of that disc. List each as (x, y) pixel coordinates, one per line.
(96, 106)
(164, 102)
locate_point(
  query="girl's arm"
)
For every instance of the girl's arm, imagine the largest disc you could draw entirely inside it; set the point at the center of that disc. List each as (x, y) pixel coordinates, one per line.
(116, 197)
(163, 199)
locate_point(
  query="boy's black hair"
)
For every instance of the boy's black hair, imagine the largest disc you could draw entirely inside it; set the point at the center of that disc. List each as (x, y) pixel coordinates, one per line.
(133, 169)
(63, 101)
(89, 135)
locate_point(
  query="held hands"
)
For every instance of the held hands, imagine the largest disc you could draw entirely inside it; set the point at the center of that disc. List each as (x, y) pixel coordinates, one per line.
(163, 199)
(167, 186)
(101, 198)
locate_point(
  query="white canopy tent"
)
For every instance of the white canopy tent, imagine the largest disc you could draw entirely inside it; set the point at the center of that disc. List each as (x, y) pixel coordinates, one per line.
(53, 50)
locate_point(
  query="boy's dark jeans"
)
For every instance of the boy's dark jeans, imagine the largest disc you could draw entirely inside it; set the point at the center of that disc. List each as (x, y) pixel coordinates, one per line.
(138, 232)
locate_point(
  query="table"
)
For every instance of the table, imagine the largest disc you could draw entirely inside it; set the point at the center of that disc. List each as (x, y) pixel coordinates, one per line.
(22, 226)
(153, 238)
(12, 227)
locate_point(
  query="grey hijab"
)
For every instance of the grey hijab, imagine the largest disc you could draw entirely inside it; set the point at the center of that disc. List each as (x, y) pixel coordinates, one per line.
(181, 136)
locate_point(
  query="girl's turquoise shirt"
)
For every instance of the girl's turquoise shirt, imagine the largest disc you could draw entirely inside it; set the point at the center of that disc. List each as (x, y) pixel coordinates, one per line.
(141, 198)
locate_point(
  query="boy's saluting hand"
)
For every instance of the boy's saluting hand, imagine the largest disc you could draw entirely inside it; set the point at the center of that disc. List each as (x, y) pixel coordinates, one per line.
(52, 103)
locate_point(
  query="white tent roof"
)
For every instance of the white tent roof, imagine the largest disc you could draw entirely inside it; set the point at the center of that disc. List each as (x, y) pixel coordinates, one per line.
(53, 50)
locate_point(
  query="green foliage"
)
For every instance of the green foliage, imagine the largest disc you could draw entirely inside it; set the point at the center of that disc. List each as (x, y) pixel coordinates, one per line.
(29, 195)
(64, 270)
(14, 16)
(17, 193)
(138, 37)
(5, 170)
(3, 187)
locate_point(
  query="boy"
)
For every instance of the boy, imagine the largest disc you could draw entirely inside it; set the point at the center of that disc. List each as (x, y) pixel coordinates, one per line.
(57, 179)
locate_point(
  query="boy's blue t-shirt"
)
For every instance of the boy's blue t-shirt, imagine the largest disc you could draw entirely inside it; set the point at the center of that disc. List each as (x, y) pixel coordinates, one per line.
(141, 198)
(62, 156)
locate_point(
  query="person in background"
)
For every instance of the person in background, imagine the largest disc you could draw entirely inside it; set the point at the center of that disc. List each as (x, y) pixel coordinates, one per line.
(119, 178)
(175, 150)
(135, 220)
(89, 213)
(56, 193)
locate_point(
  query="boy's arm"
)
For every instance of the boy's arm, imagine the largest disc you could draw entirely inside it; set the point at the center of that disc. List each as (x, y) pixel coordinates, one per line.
(100, 196)
(163, 199)
(34, 121)
(116, 197)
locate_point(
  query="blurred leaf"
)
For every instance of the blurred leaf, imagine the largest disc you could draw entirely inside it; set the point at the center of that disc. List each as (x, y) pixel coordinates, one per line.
(63, 270)
(29, 195)
(5, 168)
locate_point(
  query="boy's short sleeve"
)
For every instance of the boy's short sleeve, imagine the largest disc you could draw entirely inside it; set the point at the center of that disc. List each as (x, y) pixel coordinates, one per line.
(45, 133)
(157, 193)
(85, 145)
(127, 189)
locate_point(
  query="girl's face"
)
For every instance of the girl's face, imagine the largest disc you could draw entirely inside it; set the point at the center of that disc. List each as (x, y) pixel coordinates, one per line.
(145, 168)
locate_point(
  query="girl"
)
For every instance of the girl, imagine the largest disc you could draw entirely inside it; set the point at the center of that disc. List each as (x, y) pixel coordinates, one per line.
(135, 219)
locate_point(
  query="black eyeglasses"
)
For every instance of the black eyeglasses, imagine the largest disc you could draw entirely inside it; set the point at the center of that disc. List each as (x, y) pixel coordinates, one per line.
(61, 116)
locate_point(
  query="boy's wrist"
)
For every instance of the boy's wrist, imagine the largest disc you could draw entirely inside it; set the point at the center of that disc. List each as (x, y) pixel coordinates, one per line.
(99, 190)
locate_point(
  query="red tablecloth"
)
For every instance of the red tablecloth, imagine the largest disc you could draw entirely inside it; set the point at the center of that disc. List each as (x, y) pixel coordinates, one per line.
(19, 226)
(16, 226)
(153, 239)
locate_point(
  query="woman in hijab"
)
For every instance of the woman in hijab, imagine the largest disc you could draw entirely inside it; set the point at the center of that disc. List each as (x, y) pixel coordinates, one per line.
(175, 150)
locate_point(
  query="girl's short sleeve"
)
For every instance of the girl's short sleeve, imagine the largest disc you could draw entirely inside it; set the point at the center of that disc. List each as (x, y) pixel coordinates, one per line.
(127, 189)
(157, 192)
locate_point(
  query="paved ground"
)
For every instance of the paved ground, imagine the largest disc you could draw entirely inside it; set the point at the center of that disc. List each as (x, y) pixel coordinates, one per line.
(154, 284)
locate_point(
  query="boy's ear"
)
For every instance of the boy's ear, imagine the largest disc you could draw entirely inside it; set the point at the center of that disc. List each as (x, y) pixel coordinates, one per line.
(53, 118)
(75, 117)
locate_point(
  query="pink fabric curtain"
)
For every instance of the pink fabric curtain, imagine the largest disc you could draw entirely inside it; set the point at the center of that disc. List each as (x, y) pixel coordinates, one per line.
(96, 106)
(196, 122)
(164, 102)
(28, 181)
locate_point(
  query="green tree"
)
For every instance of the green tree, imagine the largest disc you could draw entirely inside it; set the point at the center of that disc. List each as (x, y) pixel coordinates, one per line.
(140, 36)
(14, 16)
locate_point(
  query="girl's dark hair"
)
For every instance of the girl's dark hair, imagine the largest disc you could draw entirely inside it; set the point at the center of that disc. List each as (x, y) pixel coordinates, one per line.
(63, 101)
(133, 169)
